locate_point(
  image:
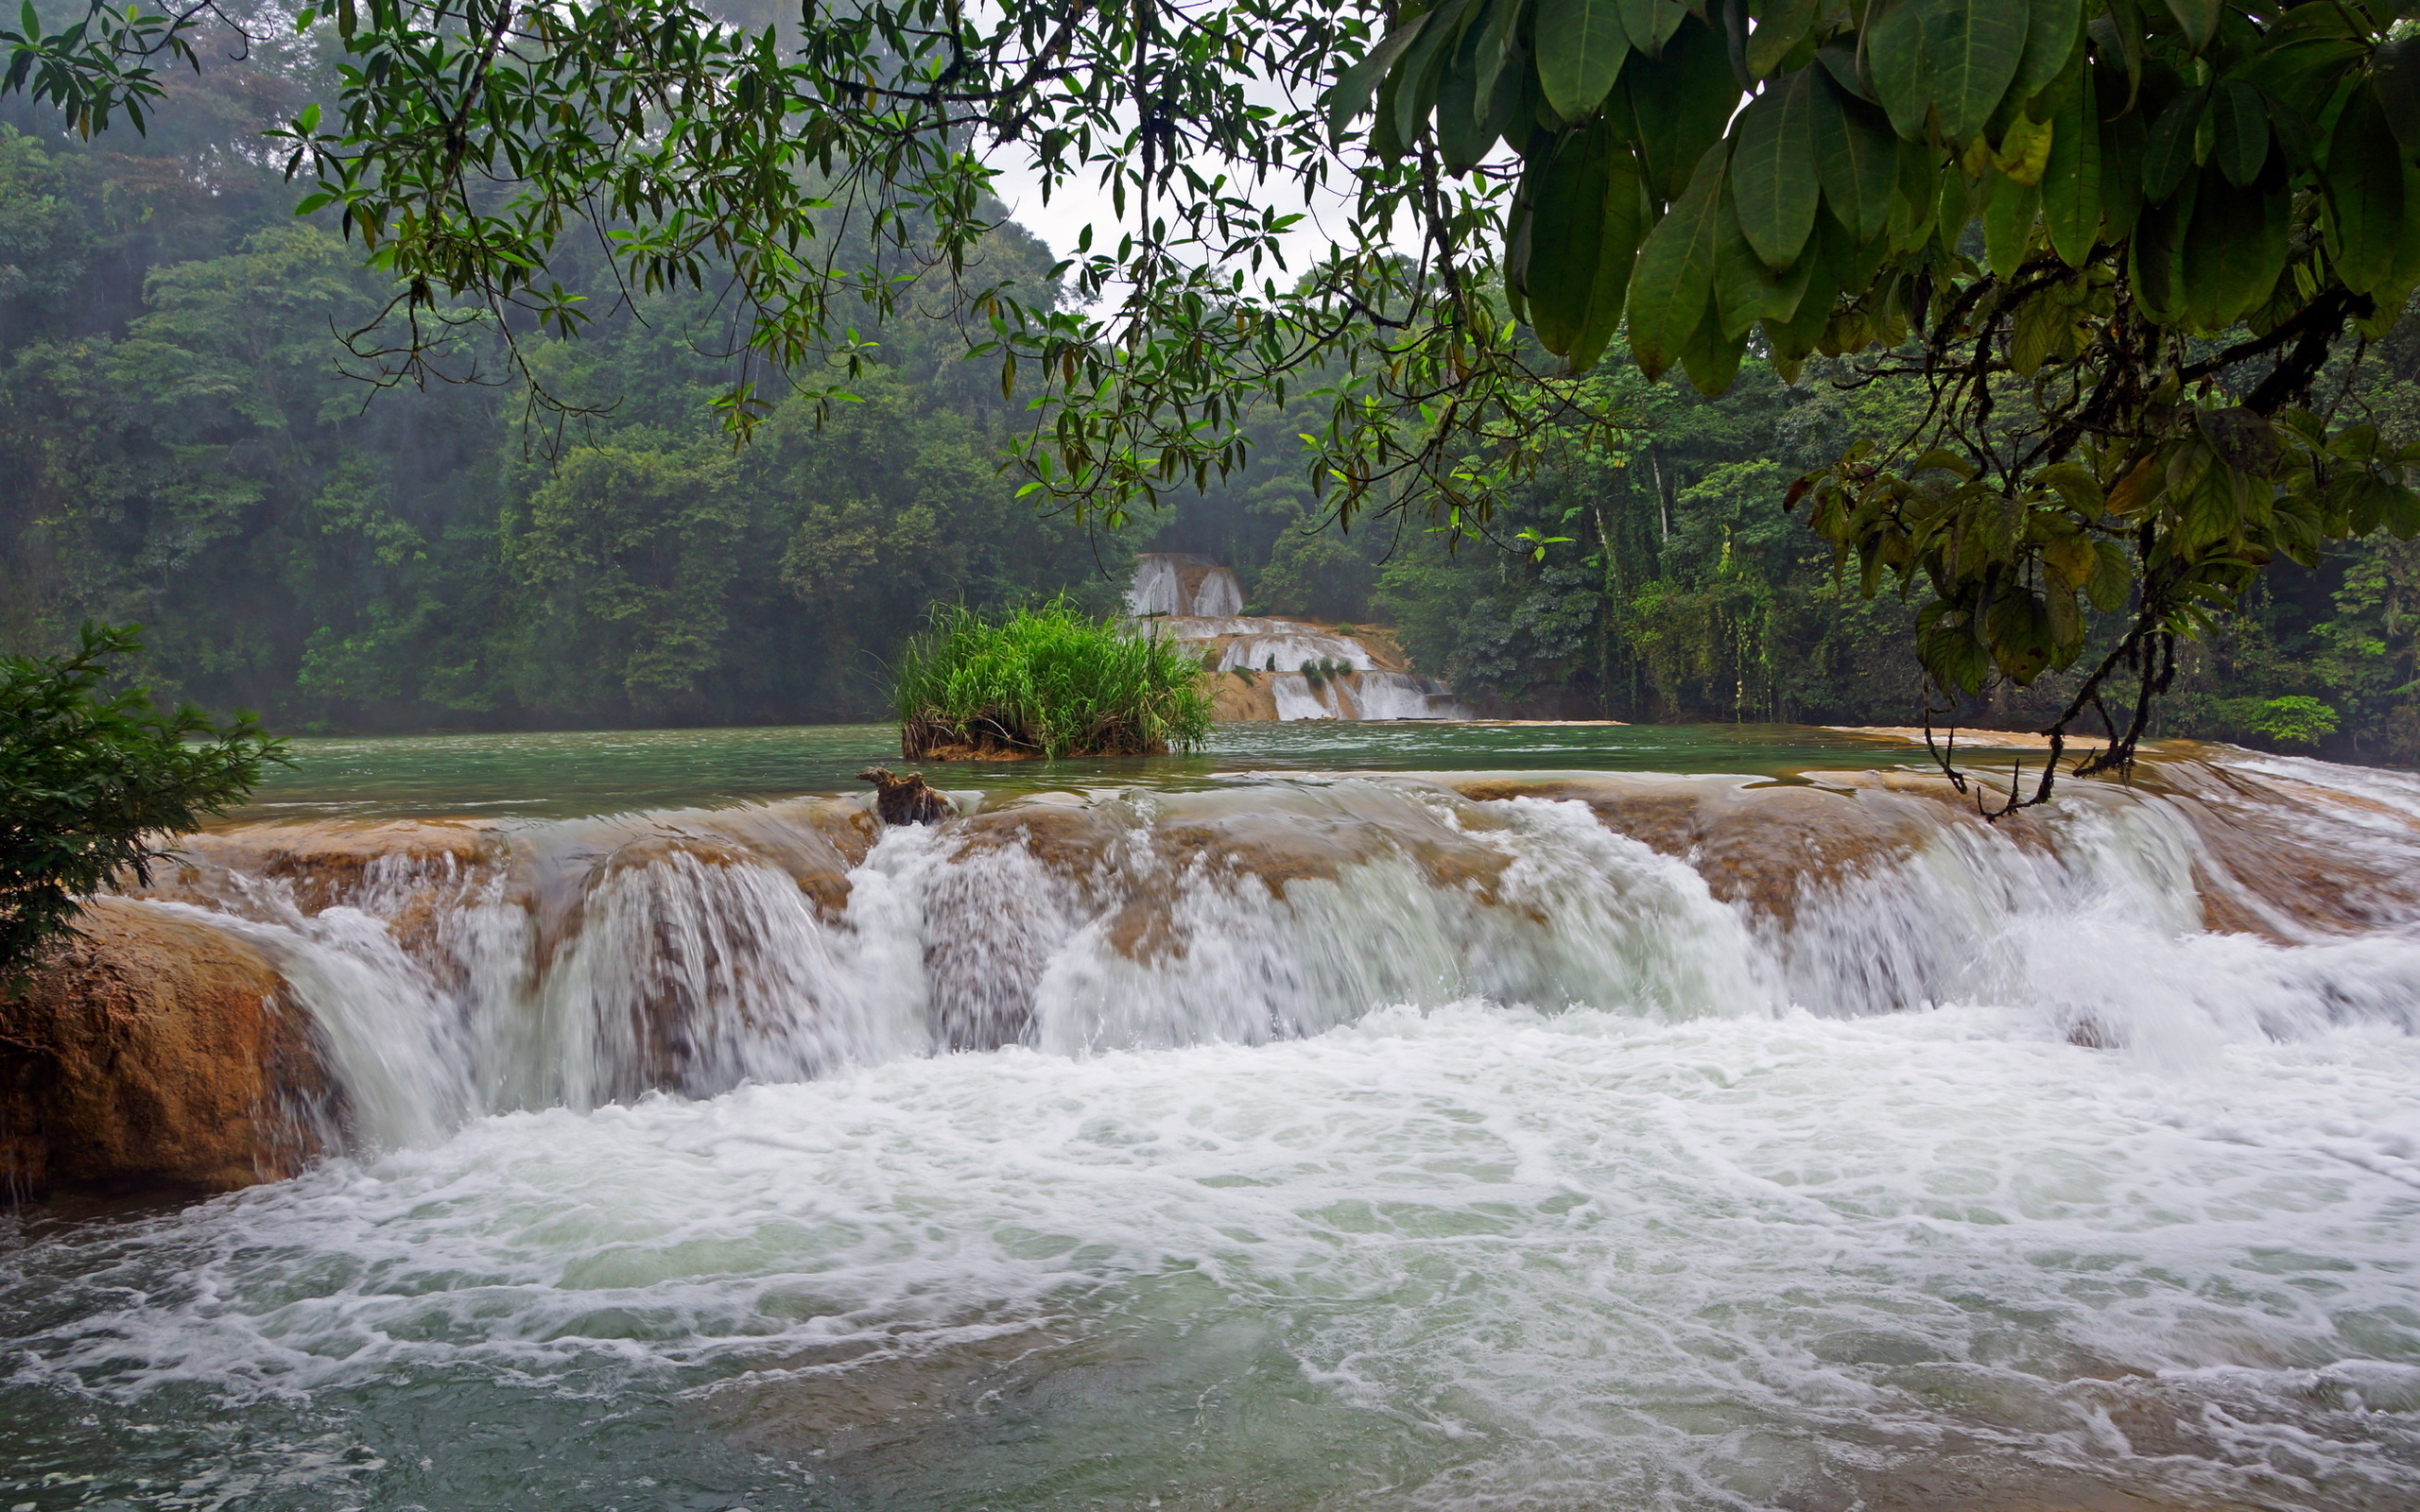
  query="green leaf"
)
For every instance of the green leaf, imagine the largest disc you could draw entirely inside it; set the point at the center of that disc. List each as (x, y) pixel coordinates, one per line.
(1351, 94)
(2155, 254)
(1857, 159)
(1673, 288)
(1580, 46)
(2365, 220)
(2049, 40)
(1414, 83)
(1652, 22)
(2200, 19)
(1773, 41)
(1497, 45)
(2113, 578)
(1710, 358)
(2240, 143)
(1972, 49)
(2122, 157)
(2007, 224)
(1773, 181)
(1582, 232)
(2071, 187)
(2236, 250)
(2018, 628)
(1682, 102)
(2395, 73)
(1745, 290)
(1894, 54)
(2167, 155)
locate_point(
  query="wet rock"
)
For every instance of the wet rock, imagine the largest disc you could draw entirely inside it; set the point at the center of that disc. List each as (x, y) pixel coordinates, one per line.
(155, 1054)
(905, 800)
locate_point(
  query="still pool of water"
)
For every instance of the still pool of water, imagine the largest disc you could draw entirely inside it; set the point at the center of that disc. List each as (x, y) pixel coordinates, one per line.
(563, 774)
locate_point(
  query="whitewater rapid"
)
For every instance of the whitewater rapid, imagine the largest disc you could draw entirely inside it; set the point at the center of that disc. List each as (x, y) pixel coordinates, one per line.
(1323, 1144)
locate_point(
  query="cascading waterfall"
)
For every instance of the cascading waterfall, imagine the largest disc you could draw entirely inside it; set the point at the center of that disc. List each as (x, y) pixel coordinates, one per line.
(1446, 1140)
(578, 966)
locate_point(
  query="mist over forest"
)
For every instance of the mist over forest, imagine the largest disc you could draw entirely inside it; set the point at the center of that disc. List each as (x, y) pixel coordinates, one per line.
(190, 444)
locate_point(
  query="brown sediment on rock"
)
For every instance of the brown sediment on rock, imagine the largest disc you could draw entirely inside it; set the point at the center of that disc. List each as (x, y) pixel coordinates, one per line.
(1235, 695)
(1131, 865)
(1764, 845)
(325, 861)
(2288, 859)
(156, 1053)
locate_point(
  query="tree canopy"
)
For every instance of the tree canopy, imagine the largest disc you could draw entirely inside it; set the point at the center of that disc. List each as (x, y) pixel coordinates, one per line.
(2116, 240)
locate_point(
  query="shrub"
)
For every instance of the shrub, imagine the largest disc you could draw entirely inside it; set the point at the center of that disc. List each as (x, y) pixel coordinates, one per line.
(1050, 681)
(92, 784)
(2293, 720)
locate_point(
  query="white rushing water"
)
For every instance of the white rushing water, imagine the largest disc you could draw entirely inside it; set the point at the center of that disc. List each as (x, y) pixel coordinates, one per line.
(1508, 1166)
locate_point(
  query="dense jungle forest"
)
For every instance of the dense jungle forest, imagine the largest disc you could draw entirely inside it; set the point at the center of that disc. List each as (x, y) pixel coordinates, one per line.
(190, 444)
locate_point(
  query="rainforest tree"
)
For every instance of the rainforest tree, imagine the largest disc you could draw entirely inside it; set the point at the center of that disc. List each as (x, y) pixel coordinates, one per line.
(2116, 239)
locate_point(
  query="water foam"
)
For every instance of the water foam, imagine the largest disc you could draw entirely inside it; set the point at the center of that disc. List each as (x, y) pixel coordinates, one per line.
(1348, 1143)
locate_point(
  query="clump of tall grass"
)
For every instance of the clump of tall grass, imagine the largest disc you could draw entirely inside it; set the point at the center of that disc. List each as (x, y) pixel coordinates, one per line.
(1050, 681)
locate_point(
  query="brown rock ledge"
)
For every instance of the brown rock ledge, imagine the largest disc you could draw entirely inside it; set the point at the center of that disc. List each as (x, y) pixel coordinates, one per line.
(155, 1055)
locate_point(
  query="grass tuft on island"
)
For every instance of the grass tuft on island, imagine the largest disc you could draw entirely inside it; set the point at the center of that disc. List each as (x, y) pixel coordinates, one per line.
(1045, 683)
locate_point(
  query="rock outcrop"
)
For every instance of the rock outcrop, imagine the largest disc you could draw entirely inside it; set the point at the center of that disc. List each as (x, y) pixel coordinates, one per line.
(155, 1054)
(908, 799)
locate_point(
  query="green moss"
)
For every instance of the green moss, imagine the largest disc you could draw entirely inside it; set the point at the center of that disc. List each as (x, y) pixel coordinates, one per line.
(1050, 681)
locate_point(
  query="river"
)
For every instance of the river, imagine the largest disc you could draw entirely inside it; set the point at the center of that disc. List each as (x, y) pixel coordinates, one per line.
(1352, 1117)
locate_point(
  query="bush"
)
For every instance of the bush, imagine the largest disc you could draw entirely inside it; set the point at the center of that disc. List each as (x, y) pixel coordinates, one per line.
(1050, 681)
(2294, 720)
(92, 784)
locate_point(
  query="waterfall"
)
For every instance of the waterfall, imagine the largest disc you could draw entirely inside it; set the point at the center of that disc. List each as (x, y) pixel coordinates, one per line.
(1338, 1143)
(589, 963)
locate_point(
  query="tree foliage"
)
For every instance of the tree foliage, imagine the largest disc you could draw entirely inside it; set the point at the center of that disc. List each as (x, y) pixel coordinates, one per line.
(2116, 239)
(93, 783)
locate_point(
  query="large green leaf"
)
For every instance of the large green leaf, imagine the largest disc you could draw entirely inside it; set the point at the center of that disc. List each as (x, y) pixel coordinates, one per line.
(1745, 290)
(2121, 155)
(1624, 221)
(2200, 19)
(1497, 44)
(2168, 154)
(1463, 137)
(2007, 224)
(1711, 358)
(1857, 159)
(1566, 186)
(1354, 86)
(1582, 232)
(2240, 141)
(1415, 79)
(1894, 54)
(2049, 40)
(1580, 45)
(2156, 255)
(1682, 102)
(2071, 181)
(2365, 220)
(2395, 73)
(1652, 22)
(1972, 49)
(1773, 179)
(1673, 287)
(2236, 248)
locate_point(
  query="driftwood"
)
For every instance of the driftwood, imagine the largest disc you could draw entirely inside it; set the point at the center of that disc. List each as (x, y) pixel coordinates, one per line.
(905, 800)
